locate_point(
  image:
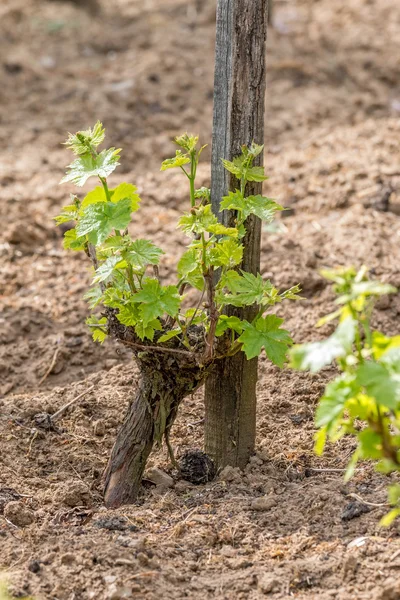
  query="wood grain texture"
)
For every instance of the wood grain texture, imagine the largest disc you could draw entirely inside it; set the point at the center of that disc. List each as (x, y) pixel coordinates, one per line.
(239, 94)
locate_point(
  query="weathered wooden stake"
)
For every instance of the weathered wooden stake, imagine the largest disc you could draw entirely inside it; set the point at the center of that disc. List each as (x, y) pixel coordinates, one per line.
(239, 94)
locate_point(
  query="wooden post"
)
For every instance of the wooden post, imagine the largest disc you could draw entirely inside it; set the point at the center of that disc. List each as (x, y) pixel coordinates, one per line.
(239, 94)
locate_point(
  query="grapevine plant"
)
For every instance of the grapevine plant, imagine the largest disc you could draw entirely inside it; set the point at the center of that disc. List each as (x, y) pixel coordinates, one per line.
(364, 399)
(174, 344)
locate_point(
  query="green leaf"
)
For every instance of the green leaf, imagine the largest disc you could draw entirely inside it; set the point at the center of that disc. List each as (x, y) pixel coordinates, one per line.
(98, 328)
(203, 193)
(255, 174)
(169, 335)
(106, 269)
(198, 221)
(320, 441)
(93, 296)
(332, 403)
(147, 330)
(380, 384)
(87, 166)
(72, 241)
(189, 262)
(128, 315)
(262, 207)
(68, 213)
(142, 253)
(155, 300)
(225, 323)
(187, 142)
(100, 219)
(266, 333)
(95, 196)
(246, 289)
(316, 355)
(178, 160)
(84, 141)
(219, 229)
(235, 167)
(226, 253)
(126, 190)
(388, 519)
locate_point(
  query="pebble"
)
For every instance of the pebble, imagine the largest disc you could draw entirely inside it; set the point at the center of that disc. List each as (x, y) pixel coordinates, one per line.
(268, 584)
(76, 494)
(159, 477)
(99, 428)
(263, 503)
(231, 474)
(67, 559)
(119, 592)
(19, 514)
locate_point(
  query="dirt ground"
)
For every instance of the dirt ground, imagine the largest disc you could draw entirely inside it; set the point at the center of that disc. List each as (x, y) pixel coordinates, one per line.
(145, 68)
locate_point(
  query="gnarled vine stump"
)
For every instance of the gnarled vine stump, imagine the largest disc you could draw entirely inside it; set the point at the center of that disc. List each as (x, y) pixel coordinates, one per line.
(168, 375)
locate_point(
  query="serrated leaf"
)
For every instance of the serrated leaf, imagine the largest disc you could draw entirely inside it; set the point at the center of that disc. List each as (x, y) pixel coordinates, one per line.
(72, 241)
(106, 269)
(155, 300)
(142, 253)
(178, 160)
(262, 207)
(255, 174)
(225, 323)
(199, 221)
(128, 315)
(203, 193)
(100, 219)
(147, 330)
(93, 296)
(226, 253)
(68, 213)
(235, 167)
(246, 289)
(169, 335)
(266, 333)
(186, 141)
(316, 355)
(83, 141)
(189, 262)
(126, 190)
(219, 229)
(98, 328)
(87, 166)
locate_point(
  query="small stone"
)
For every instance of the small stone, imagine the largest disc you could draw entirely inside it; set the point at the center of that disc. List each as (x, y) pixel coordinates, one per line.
(263, 503)
(183, 486)
(34, 566)
(19, 514)
(231, 474)
(159, 477)
(67, 559)
(268, 584)
(228, 551)
(99, 428)
(76, 494)
(119, 592)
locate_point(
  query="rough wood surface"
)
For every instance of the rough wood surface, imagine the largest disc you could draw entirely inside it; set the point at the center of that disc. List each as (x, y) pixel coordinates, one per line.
(239, 93)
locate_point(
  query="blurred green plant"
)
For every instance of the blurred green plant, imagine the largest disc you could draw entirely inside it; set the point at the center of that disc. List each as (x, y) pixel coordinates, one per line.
(364, 400)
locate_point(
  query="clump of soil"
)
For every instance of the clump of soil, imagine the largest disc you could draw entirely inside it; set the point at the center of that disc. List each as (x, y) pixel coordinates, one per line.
(277, 529)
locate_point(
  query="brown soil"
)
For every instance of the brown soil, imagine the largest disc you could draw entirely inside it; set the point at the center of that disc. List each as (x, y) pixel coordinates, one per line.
(332, 137)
